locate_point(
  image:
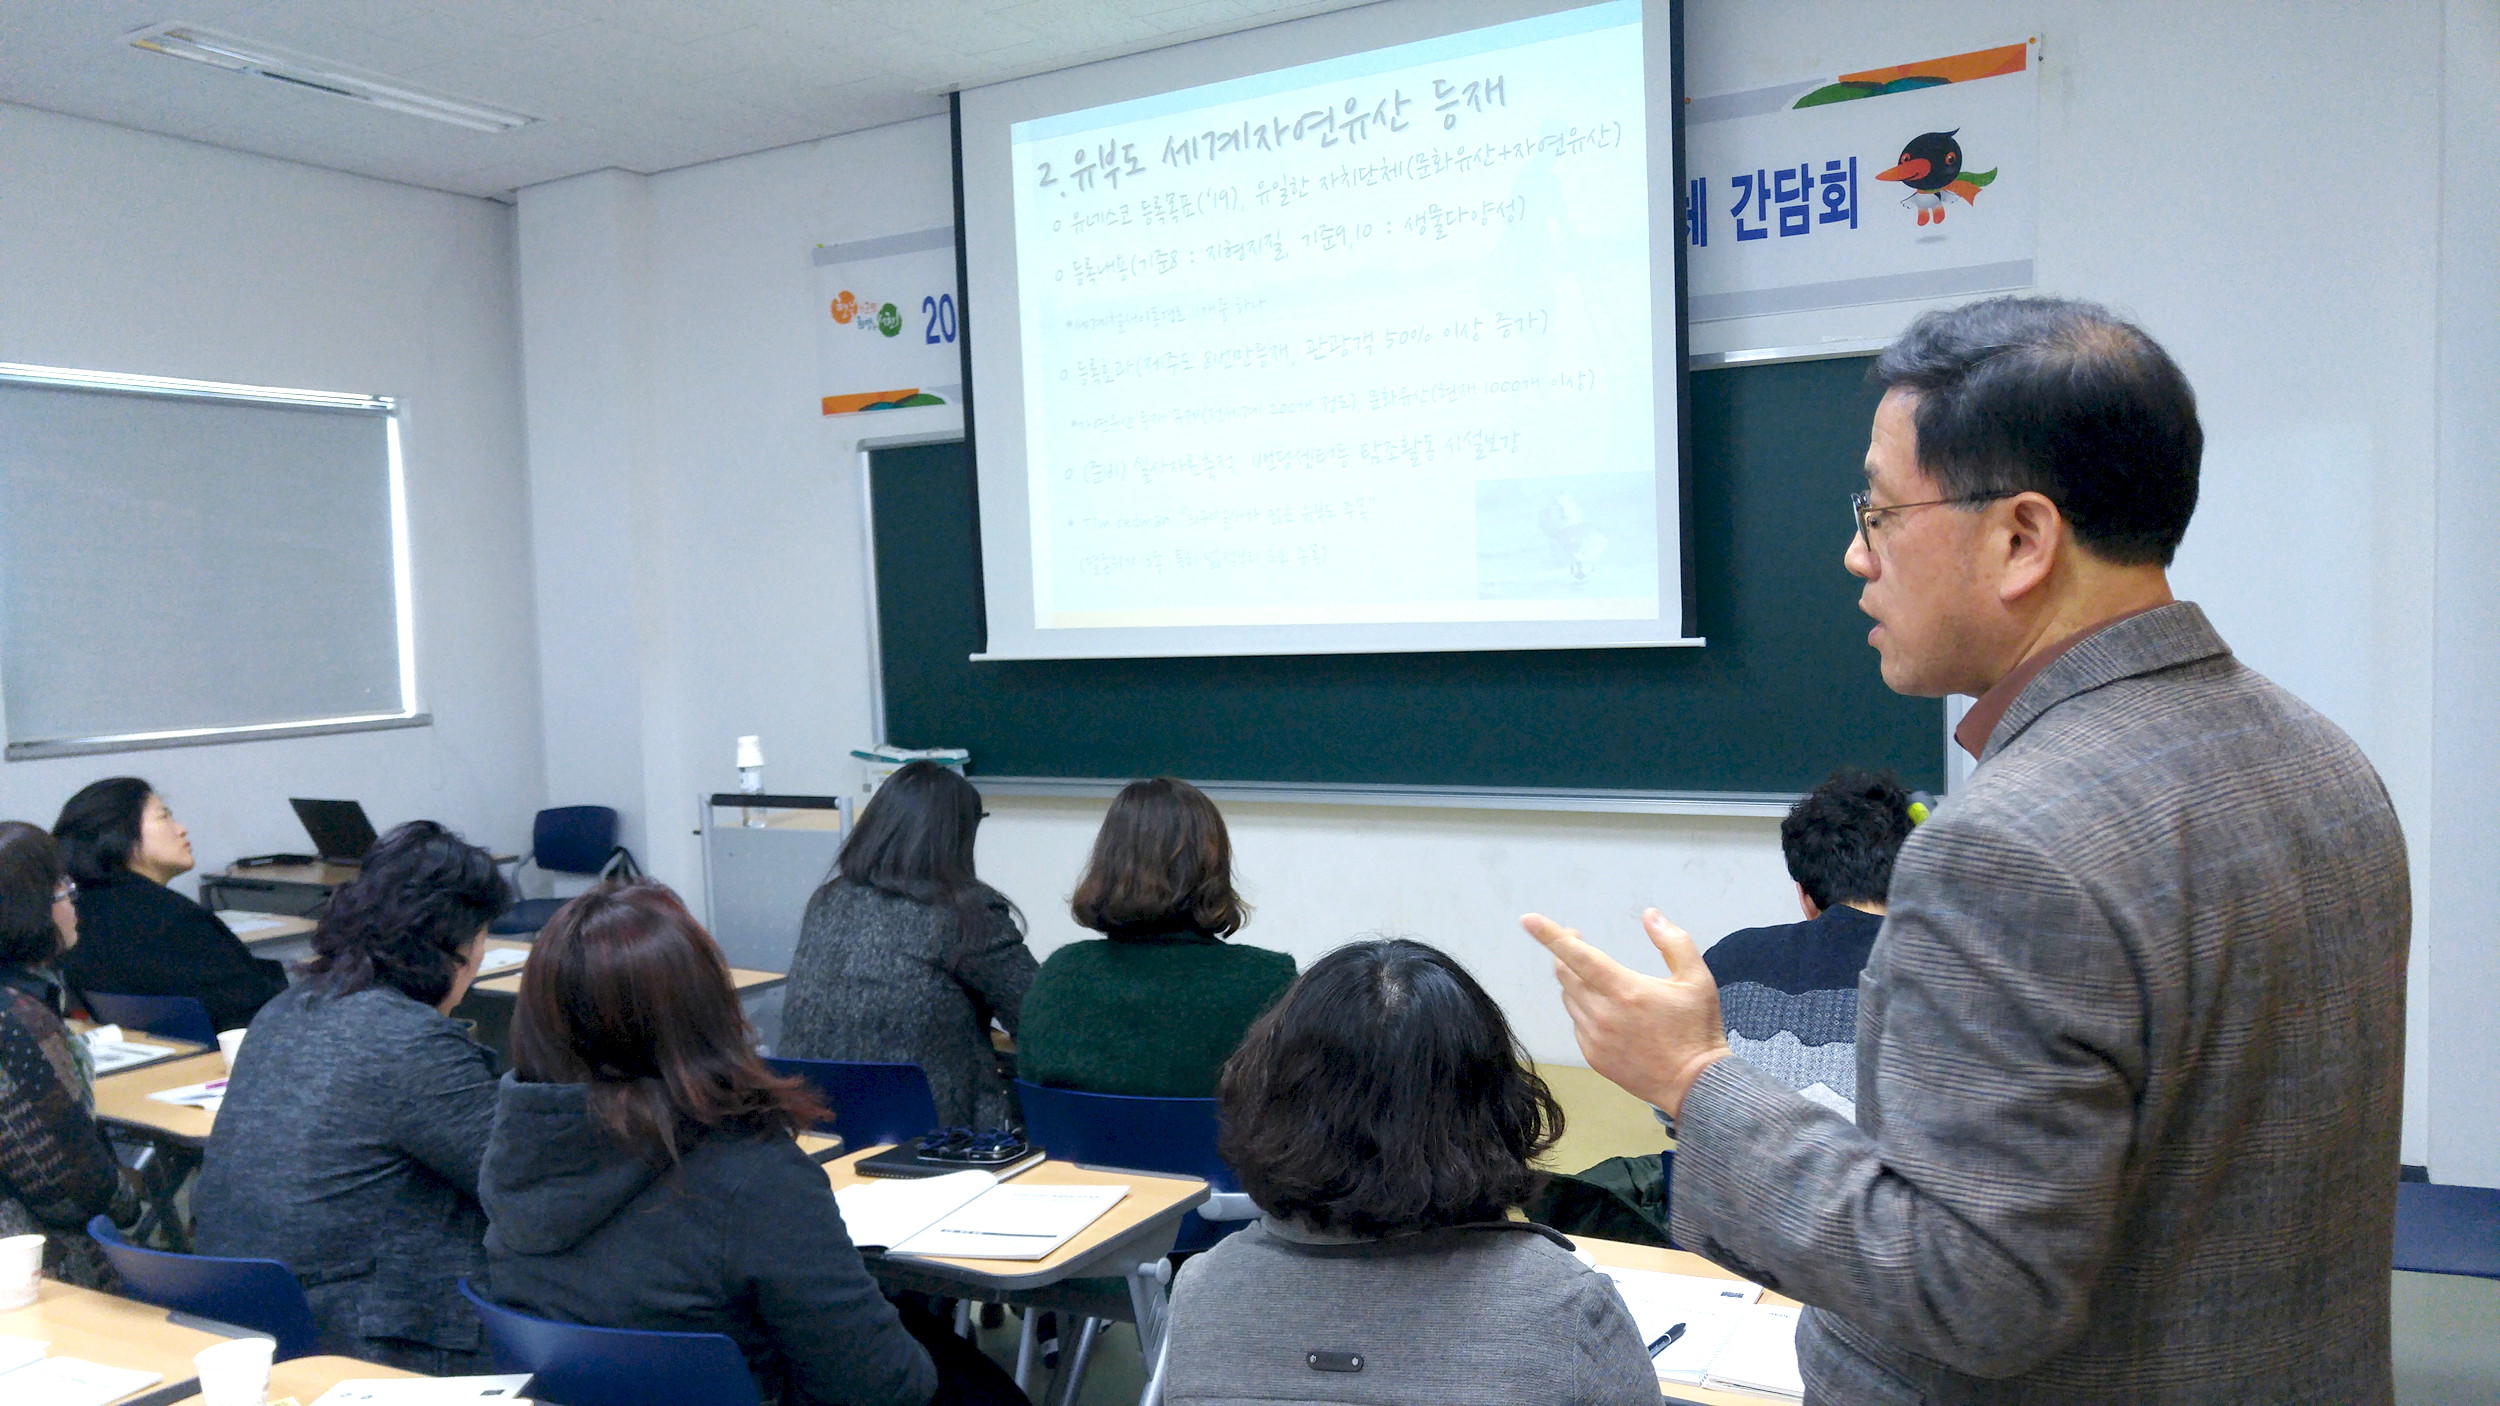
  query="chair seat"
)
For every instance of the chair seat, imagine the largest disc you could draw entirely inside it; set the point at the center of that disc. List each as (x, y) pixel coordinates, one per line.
(526, 917)
(2443, 1229)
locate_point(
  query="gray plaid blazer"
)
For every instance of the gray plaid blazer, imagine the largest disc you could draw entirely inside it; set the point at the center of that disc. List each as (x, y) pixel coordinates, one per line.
(2130, 1049)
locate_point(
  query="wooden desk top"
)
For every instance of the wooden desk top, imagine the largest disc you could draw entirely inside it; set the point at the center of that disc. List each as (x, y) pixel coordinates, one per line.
(1615, 1254)
(318, 875)
(508, 981)
(306, 1378)
(116, 1332)
(1149, 1197)
(123, 1098)
(267, 928)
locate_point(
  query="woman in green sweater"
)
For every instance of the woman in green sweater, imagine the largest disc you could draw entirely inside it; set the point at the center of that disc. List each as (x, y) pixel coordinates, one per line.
(1157, 1005)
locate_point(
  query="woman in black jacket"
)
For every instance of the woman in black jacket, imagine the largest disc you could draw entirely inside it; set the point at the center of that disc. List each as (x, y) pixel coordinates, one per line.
(138, 937)
(347, 1147)
(644, 1173)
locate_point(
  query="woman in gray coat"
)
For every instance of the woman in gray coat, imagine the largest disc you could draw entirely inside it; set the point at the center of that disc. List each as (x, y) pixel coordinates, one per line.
(347, 1148)
(905, 956)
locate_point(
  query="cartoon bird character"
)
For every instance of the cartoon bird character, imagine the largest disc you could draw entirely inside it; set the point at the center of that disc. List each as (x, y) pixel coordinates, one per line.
(1576, 540)
(1931, 166)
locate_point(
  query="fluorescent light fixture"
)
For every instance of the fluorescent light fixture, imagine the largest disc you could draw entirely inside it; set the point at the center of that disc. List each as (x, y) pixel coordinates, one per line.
(189, 41)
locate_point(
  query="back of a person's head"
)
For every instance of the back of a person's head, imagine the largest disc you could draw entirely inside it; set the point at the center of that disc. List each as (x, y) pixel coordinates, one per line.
(1162, 861)
(914, 840)
(625, 992)
(99, 827)
(406, 921)
(2059, 397)
(1384, 1093)
(1841, 839)
(30, 874)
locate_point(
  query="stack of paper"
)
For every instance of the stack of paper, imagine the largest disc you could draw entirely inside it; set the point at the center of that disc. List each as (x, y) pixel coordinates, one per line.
(28, 1378)
(114, 1051)
(1698, 1313)
(498, 958)
(1761, 1355)
(243, 923)
(201, 1096)
(425, 1391)
(970, 1215)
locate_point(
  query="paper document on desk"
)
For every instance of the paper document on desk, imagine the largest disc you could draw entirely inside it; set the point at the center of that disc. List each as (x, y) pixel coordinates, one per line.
(1016, 1222)
(114, 1051)
(424, 1391)
(884, 1214)
(499, 958)
(201, 1096)
(70, 1381)
(1761, 1354)
(242, 922)
(1706, 1308)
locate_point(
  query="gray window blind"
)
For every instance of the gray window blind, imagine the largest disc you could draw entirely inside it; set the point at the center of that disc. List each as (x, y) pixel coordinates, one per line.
(181, 567)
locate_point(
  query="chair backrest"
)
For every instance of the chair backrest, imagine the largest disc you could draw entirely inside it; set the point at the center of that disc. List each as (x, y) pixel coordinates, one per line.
(2445, 1229)
(262, 1295)
(573, 1364)
(174, 1017)
(573, 839)
(1175, 1135)
(872, 1103)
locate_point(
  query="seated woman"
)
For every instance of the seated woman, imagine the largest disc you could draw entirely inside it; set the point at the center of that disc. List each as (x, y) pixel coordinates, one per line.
(56, 1169)
(644, 1173)
(1156, 1005)
(905, 956)
(141, 938)
(1383, 1118)
(348, 1144)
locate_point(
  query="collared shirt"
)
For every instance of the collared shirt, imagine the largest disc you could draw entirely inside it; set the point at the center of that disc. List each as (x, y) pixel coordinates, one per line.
(1991, 707)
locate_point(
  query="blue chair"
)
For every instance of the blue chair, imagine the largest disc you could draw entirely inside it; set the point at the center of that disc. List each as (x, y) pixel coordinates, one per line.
(872, 1103)
(261, 1295)
(174, 1017)
(576, 840)
(2442, 1229)
(1174, 1135)
(572, 1364)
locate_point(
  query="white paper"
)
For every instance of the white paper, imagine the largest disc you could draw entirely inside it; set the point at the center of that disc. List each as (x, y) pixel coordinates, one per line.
(113, 1050)
(498, 958)
(424, 1391)
(202, 1096)
(17, 1352)
(1705, 1306)
(243, 922)
(887, 1213)
(1016, 1222)
(70, 1381)
(1761, 1354)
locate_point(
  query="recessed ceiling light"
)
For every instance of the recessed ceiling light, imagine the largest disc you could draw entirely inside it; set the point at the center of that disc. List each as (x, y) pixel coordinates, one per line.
(189, 41)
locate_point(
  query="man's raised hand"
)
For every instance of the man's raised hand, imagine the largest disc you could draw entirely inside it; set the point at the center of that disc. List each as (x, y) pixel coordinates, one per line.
(1653, 1036)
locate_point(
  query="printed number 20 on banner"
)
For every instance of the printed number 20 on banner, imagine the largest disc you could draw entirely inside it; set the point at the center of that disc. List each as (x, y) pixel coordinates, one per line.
(887, 323)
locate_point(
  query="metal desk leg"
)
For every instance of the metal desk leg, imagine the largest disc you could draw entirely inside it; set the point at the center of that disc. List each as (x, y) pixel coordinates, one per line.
(1028, 1350)
(1150, 1293)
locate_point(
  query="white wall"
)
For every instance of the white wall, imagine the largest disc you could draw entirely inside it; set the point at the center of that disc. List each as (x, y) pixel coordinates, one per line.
(2191, 149)
(123, 251)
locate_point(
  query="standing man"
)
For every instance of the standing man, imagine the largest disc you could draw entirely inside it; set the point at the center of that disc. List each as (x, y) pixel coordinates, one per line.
(2130, 1043)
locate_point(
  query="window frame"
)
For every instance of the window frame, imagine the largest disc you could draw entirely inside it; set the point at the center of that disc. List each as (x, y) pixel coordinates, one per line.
(410, 713)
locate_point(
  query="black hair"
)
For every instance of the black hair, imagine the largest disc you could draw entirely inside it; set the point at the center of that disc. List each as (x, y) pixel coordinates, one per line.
(30, 873)
(407, 919)
(914, 840)
(2062, 398)
(1840, 840)
(1384, 1093)
(99, 827)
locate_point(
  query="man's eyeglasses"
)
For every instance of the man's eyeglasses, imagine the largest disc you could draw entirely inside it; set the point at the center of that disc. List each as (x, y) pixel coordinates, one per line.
(1864, 512)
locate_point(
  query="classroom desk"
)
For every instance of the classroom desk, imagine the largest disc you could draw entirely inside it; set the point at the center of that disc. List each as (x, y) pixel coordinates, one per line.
(123, 1098)
(116, 1332)
(1128, 1242)
(1615, 1254)
(275, 888)
(269, 929)
(507, 983)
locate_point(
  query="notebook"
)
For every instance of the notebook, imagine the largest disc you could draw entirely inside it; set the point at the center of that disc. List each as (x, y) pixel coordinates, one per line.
(242, 922)
(70, 1381)
(1706, 1317)
(424, 1391)
(500, 958)
(906, 1160)
(970, 1215)
(114, 1051)
(1761, 1354)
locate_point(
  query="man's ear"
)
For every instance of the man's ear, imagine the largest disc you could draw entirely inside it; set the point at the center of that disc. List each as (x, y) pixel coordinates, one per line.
(2031, 534)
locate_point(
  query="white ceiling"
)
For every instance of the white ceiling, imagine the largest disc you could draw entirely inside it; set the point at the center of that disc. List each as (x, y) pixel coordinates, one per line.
(644, 85)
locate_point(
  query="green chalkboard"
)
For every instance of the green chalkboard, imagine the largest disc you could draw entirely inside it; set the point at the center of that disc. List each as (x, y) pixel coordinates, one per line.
(1785, 690)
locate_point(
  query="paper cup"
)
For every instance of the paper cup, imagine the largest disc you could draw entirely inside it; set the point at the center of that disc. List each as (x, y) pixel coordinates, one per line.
(21, 1268)
(230, 1044)
(235, 1372)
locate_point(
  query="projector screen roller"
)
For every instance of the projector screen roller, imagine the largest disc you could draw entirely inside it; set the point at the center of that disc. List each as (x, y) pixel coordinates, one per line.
(1351, 334)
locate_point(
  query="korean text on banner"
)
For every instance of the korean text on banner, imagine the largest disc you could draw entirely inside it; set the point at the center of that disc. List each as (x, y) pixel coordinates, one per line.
(887, 321)
(1917, 180)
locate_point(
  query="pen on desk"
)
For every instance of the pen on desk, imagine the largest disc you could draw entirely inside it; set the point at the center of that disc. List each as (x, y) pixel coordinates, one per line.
(1665, 1340)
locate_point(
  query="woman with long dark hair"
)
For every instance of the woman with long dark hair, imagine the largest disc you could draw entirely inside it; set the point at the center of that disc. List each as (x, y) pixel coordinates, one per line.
(905, 956)
(122, 846)
(56, 1169)
(1155, 1005)
(1384, 1118)
(644, 1173)
(347, 1147)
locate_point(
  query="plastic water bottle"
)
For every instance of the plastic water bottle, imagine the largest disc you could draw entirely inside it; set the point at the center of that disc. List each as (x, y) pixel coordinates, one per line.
(751, 777)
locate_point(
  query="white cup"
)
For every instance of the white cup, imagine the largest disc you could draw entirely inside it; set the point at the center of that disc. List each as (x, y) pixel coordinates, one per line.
(235, 1372)
(230, 1044)
(21, 1268)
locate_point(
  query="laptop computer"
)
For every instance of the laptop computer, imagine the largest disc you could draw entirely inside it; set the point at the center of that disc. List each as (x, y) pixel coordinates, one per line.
(340, 832)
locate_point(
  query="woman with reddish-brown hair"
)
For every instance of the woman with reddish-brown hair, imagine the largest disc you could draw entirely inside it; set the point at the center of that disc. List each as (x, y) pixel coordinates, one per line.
(643, 1173)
